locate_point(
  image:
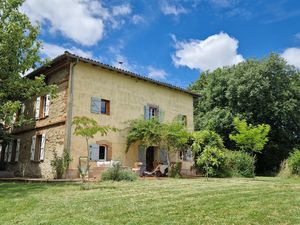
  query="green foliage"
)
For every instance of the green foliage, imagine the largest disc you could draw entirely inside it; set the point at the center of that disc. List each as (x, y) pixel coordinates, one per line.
(148, 132)
(204, 138)
(263, 91)
(173, 136)
(19, 52)
(175, 170)
(117, 173)
(294, 162)
(88, 127)
(210, 160)
(250, 138)
(61, 163)
(237, 164)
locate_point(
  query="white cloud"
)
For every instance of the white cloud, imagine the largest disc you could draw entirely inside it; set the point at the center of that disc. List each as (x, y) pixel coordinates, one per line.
(169, 9)
(51, 51)
(136, 19)
(156, 73)
(211, 53)
(124, 9)
(74, 19)
(292, 56)
(222, 3)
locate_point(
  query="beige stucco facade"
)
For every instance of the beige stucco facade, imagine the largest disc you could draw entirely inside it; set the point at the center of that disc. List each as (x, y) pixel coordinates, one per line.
(77, 84)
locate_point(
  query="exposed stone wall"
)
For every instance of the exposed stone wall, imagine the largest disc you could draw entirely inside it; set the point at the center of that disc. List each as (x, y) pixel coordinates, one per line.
(54, 142)
(52, 126)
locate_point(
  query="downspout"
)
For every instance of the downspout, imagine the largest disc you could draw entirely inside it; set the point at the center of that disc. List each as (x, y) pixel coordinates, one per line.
(70, 106)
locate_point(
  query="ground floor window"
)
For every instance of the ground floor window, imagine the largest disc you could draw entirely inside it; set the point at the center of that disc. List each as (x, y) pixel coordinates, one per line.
(98, 152)
(38, 147)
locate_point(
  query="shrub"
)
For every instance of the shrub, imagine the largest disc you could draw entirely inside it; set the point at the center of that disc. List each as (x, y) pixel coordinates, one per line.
(60, 164)
(285, 170)
(294, 162)
(175, 170)
(237, 164)
(117, 173)
(204, 138)
(210, 160)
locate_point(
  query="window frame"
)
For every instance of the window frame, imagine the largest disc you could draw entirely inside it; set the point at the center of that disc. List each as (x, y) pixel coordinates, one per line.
(107, 107)
(105, 153)
(155, 110)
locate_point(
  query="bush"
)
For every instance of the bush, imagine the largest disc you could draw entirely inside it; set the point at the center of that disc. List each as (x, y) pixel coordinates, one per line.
(237, 164)
(117, 173)
(60, 164)
(294, 162)
(175, 170)
(210, 160)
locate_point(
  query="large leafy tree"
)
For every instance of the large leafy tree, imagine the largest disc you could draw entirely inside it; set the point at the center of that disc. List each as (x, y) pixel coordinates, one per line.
(19, 53)
(259, 91)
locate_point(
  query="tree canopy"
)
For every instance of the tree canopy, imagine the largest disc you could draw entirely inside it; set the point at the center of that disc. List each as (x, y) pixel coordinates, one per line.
(19, 53)
(263, 91)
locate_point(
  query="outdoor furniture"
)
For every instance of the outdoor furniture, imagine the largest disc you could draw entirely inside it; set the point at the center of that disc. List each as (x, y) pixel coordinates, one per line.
(137, 168)
(159, 170)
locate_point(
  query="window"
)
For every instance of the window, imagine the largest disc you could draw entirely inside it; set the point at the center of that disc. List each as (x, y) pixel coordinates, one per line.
(42, 107)
(186, 155)
(153, 112)
(12, 151)
(105, 107)
(100, 106)
(38, 147)
(98, 152)
(102, 152)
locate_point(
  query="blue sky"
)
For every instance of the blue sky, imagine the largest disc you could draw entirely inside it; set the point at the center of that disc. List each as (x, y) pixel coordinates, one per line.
(171, 41)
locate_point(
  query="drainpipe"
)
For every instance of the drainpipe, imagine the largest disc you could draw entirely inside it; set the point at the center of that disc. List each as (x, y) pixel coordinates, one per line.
(70, 105)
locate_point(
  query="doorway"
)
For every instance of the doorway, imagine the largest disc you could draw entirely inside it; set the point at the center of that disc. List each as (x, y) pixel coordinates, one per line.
(149, 158)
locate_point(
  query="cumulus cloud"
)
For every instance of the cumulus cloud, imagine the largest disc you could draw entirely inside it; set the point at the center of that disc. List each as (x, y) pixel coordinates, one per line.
(74, 19)
(292, 56)
(174, 10)
(82, 21)
(52, 50)
(156, 73)
(209, 54)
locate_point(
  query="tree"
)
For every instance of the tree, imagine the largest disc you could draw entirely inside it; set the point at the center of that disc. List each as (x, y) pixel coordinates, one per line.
(250, 138)
(19, 53)
(260, 91)
(88, 128)
(171, 136)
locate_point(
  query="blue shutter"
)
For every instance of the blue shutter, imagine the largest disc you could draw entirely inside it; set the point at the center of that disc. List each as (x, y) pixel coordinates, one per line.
(96, 105)
(163, 156)
(146, 112)
(142, 157)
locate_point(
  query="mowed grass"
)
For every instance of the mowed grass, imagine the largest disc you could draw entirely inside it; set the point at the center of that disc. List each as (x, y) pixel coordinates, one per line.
(166, 201)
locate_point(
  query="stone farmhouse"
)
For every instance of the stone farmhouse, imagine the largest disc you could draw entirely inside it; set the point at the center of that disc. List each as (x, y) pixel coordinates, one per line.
(111, 96)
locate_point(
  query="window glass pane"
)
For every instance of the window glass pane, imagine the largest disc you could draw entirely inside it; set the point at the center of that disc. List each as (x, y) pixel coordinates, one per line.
(103, 107)
(102, 152)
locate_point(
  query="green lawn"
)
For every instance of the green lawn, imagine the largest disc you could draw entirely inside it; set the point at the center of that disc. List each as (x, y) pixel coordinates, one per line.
(168, 201)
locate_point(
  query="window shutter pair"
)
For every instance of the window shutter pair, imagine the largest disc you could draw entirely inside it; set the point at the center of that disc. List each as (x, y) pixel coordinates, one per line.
(42, 149)
(38, 106)
(96, 105)
(161, 113)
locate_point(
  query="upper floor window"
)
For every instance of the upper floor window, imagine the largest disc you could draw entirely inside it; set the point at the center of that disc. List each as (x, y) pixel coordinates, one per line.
(105, 107)
(151, 111)
(42, 107)
(100, 106)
